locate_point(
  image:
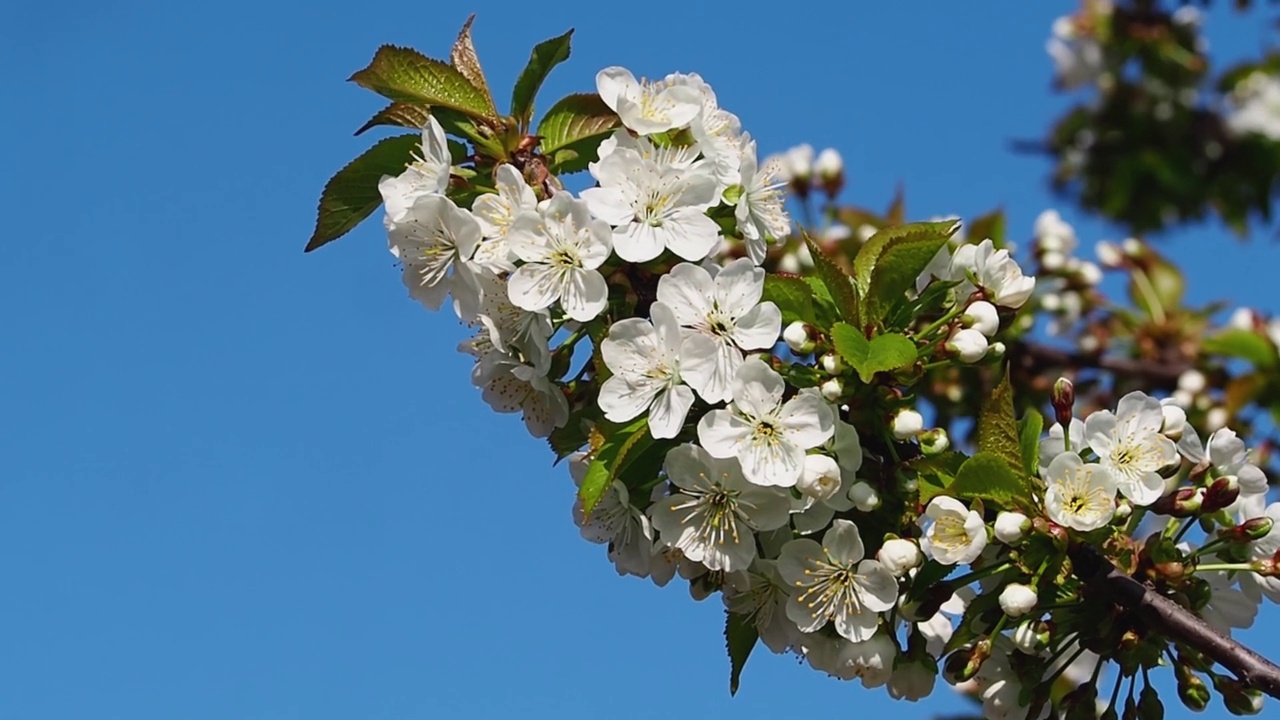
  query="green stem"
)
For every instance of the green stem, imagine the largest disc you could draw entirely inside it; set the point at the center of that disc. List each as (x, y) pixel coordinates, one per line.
(980, 574)
(1135, 519)
(950, 315)
(1225, 567)
(1183, 531)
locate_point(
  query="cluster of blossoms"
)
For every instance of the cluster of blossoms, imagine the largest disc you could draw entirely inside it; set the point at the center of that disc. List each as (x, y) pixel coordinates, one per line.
(759, 434)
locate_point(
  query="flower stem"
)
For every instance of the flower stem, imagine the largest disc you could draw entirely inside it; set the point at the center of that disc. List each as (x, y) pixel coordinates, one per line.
(980, 574)
(950, 315)
(1148, 292)
(1225, 567)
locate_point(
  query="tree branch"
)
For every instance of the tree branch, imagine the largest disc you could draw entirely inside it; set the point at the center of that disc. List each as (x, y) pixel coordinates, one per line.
(1035, 358)
(1177, 623)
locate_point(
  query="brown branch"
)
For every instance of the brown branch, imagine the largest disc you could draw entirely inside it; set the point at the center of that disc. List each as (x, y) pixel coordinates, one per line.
(1035, 357)
(1177, 623)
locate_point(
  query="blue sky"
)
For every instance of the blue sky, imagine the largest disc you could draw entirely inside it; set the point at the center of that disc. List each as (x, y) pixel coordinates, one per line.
(241, 482)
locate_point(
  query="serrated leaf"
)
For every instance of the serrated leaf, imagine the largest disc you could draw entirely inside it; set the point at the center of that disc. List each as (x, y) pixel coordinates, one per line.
(888, 264)
(571, 131)
(839, 285)
(464, 59)
(545, 56)
(397, 114)
(929, 574)
(997, 425)
(935, 473)
(1243, 344)
(987, 476)
(823, 305)
(609, 459)
(351, 195)
(792, 295)
(1029, 429)
(740, 637)
(990, 226)
(879, 354)
(408, 76)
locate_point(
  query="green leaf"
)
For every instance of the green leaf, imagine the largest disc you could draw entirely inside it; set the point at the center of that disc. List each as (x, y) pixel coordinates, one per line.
(838, 285)
(1029, 430)
(990, 226)
(545, 56)
(997, 425)
(879, 354)
(406, 75)
(823, 305)
(988, 477)
(464, 59)
(621, 443)
(397, 114)
(888, 264)
(792, 295)
(740, 636)
(572, 129)
(352, 193)
(1243, 344)
(936, 473)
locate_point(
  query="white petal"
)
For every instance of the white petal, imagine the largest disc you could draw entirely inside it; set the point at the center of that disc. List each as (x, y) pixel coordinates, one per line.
(877, 588)
(759, 328)
(689, 233)
(843, 543)
(721, 432)
(757, 389)
(738, 287)
(584, 294)
(807, 419)
(534, 286)
(670, 407)
(623, 400)
(638, 242)
(687, 290)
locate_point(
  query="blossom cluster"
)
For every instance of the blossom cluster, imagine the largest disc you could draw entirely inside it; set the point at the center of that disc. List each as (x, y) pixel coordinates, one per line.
(767, 464)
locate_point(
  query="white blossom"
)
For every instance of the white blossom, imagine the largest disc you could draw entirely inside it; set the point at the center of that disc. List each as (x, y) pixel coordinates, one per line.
(899, 555)
(955, 534)
(647, 107)
(820, 478)
(428, 174)
(715, 512)
(1228, 607)
(907, 424)
(1254, 106)
(912, 681)
(995, 271)
(1079, 495)
(614, 521)
(726, 309)
(1077, 57)
(562, 247)
(759, 210)
(645, 359)
(833, 582)
(526, 389)
(434, 239)
(654, 207)
(829, 165)
(496, 212)
(1225, 452)
(968, 345)
(983, 317)
(768, 436)
(764, 602)
(864, 497)
(1130, 446)
(1011, 527)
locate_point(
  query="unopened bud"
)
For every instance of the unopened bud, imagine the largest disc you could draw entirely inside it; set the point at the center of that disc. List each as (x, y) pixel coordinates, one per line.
(864, 497)
(798, 338)
(907, 424)
(1239, 698)
(1149, 705)
(1124, 508)
(995, 351)
(1192, 381)
(1181, 503)
(967, 345)
(1133, 248)
(1011, 527)
(934, 441)
(832, 389)
(820, 477)
(898, 556)
(983, 317)
(1031, 636)
(1251, 529)
(1109, 254)
(829, 168)
(1017, 600)
(1089, 273)
(963, 664)
(1191, 689)
(832, 364)
(1222, 492)
(1063, 398)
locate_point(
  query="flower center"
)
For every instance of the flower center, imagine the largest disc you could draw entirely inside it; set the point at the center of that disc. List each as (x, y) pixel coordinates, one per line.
(564, 257)
(716, 514)
(950, 533)
(832, 591)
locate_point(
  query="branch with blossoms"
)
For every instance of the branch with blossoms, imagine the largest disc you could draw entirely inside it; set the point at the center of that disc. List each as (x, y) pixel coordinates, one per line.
(759, 431)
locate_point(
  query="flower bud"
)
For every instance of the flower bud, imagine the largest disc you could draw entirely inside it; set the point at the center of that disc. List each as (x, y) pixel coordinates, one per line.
(1222, 492)
(1011, 527)
(1089, 273)
(968, 345)
(1063, 398)
(898, 556)
(1149, 705)
(1175, 420)
(820, 477)
(1191, 689)
(1192, 381)
(1052, 260)
(982, 316)
(934, 441)
(829, 168)
(1239, 698)
(790, 263)
(1109, 254)
(1017, 600)
(832, 389)
(798, 338)
(1030, 637)
(797, 166)
(832, 364)
(1215, 419)
(995, 351)
(1251, 529)
(906, 424)
(1182, 503)
(1133, 248)
(864, 497)
(1243, 319)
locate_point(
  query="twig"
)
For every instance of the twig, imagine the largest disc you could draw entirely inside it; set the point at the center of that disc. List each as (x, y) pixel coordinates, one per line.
(1036, 357)
(1177, 623)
